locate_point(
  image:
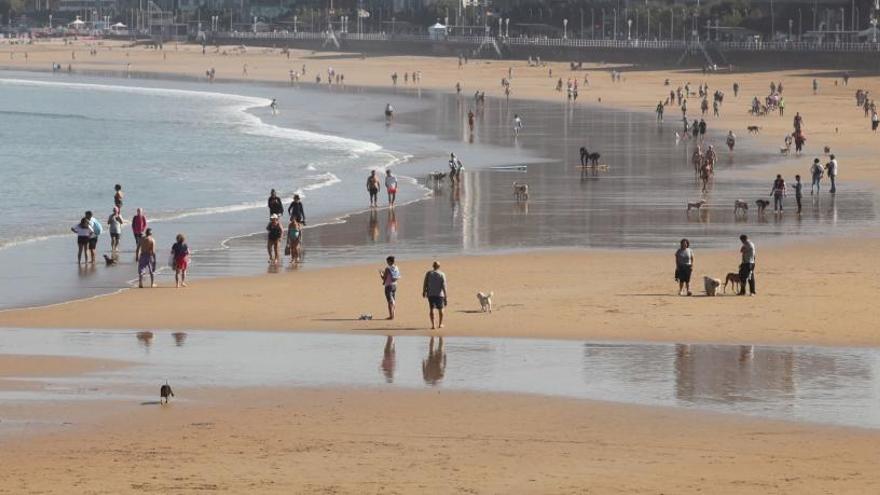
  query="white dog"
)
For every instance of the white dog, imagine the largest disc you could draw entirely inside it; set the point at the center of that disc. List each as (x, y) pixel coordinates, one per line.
(520, 191)
(711, 285)
(740, 205)
(485, 301)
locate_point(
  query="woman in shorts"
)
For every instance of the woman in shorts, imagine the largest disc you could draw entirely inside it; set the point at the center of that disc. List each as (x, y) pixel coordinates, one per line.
(83, 233)
(684, 266)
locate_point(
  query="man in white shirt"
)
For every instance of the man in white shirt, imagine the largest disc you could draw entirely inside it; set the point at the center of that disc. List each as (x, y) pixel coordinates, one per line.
(391, 187)
(747, 266)
(831, 168)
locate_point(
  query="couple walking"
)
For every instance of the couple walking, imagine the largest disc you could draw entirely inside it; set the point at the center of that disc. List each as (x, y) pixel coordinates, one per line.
(434, 289)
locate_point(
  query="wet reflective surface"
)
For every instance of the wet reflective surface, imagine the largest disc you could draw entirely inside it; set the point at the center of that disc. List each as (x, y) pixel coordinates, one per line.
(828, 385)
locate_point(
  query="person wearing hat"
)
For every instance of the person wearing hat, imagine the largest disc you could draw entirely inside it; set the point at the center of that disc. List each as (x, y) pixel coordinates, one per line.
(434, 289)
(274, 240)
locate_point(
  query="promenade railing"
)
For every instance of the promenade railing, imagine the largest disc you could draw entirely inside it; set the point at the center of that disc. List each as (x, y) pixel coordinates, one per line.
(797, 46)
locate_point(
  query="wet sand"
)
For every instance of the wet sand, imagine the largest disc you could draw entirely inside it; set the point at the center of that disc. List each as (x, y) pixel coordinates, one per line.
(319, 441)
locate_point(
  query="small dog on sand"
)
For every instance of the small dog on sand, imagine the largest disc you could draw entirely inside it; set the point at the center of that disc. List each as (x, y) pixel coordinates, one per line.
(734, 281)
(520, 191)
(762, 205)
(485, 301)
(696, 205)
(711, 285)
(754, 129)
(740, 205)
(110, 261)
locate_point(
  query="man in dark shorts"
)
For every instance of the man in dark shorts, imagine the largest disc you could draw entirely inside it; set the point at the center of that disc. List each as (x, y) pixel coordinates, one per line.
(97, 229)
(747, 266)
(390, 275)
(434, 289)
(373, 189)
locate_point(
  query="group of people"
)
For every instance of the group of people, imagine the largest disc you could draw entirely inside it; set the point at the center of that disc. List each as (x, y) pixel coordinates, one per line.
(89, 229)
(275, 230)
(434, 289)
(684, 266)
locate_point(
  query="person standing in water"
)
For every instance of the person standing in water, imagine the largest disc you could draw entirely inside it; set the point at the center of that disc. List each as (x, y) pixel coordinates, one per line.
(115, 223)
(798, 192)
(147, 259)
(391, 187)
(274, 106)
(816, 173)
(118, 196)
(731, 140)
(276, 207)
(296, 210)
(778, 193)
(831, 168)
(83, 233)
(180, 260)
(517, 124)
(373, 189)
(294, 239)
(138, 227)
(434, 289)
(275, 232)
(389, 113)
(389, 276)
(97, 229)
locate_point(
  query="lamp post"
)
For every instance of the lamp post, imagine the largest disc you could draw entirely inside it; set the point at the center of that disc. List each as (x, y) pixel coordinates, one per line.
(874, 30)
(615, 25)
(565, 29)
(500, 24)
(507, 27)
(790, 24)
(294, 24)
(629, 25)
(800, 25)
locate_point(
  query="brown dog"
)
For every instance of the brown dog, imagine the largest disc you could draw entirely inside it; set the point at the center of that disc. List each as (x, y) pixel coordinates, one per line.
(734, 281)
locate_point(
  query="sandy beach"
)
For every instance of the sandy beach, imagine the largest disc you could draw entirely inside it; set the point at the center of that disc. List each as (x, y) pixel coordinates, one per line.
(813, 291)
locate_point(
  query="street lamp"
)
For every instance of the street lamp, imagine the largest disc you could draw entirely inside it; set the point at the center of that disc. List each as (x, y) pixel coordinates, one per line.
(500, 27)
(629, 25)
(507, 27)
(790, 25)
(565, 29)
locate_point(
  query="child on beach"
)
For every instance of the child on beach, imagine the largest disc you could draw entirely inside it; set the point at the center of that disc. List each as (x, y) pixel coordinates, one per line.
(180, 260)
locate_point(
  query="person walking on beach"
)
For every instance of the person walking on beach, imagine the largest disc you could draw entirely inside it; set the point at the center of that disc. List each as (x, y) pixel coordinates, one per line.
(778, 193)
(138, 227)
(294, 239)
(875, 121)
(798, 192)
(118, 196)
(296, 210)
(816, 173)
(180, 260)
(389, 276)
(276, 207)
(373, 189)
(660, 111)
(147, 259)
(517, 124)
(391, 187)
(684, 264)
(274, 106)
(731, 140)
(735, 89)
(389, 113)
(115, 222)
(455, 168)
(435, 290)
(275, 232)
(83, 233)
(830, 168)
(470, 120)
(747, 265)
(97, 229)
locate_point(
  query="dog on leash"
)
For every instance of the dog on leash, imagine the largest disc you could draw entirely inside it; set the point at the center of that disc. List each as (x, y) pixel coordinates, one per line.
(762, 205)
(740, 205)
(520, 191)
(754, 129)
(734, 281)
(711, 285)
(485, 301)
(696, 205)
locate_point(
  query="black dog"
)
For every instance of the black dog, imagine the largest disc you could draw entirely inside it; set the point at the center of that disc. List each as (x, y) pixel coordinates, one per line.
(165, 392)
(110, 261)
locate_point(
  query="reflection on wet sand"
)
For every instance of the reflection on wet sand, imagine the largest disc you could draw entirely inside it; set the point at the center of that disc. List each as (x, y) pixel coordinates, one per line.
(434, 366)
(830, 385)
(389, 360)
(731, 373)
(373, 228)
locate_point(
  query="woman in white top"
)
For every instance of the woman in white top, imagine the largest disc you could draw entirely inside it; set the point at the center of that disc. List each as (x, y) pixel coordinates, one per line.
(684, 266)
(84, 232)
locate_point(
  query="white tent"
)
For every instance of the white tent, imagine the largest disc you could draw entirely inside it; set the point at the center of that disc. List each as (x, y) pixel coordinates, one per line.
(437, 31)
(77, 23)
(119, 25)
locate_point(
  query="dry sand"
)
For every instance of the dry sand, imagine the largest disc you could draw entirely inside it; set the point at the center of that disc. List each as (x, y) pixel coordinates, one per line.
(338, 441)
(378, 441)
